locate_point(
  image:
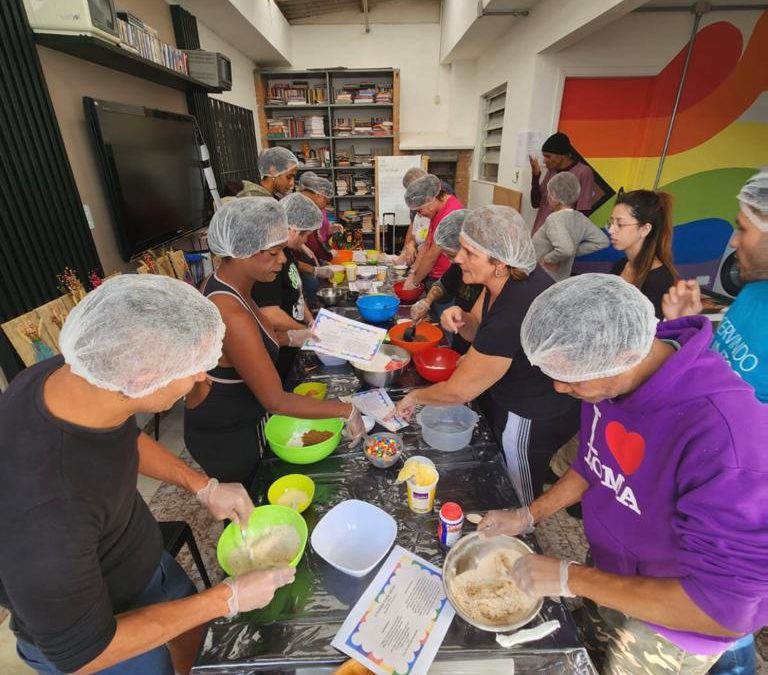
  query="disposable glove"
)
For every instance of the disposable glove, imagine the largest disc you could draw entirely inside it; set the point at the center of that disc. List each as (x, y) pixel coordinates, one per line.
(354, 428)
(406, 406)
(226, 500)
(410, 284)
(323, 272)
(253, 590)
(420, 310)
(297, 338)
(512, 523)
(452, 319)
(539, 575)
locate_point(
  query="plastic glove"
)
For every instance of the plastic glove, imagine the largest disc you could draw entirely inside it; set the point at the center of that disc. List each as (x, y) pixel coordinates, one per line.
(538, 575)
(410, 284)
(226, 500)
(297, 338)
(406, 406)
(256, 589)
(682, 299)
(452, 319)
(512, 523)
(323, 272)
(420, 310)
(354, 428)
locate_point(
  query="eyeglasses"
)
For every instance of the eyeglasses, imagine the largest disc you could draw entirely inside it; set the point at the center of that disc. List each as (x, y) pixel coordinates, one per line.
(612, 222)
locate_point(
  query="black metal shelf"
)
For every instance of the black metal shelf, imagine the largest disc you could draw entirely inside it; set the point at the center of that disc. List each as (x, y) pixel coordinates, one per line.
(301, 138)
(361, 105)
(353, 168)
(111, 56)
(303, 106)
(314, 168)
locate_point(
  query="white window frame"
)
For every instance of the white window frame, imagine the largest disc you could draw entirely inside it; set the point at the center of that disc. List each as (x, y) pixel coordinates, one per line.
(494, 103)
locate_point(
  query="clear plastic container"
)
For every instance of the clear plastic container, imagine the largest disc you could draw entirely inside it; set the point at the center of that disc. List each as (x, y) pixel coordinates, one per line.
(447, 428)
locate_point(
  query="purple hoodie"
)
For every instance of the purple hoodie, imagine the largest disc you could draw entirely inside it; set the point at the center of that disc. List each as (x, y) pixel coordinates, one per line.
(678, 474)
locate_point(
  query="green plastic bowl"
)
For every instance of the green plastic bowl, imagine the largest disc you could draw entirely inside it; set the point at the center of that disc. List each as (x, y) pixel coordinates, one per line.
(280, 428)
(260, 519)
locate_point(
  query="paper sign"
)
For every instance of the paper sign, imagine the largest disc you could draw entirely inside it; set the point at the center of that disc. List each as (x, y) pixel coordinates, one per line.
(529, 145)
(400, 621)
(336, 335)
(377, 404)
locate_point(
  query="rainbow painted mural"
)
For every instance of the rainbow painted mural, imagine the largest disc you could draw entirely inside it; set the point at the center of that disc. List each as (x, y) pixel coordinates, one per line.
(720, 137)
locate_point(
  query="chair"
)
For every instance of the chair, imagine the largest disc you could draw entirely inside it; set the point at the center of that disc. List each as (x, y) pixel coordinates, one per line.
(176, 533)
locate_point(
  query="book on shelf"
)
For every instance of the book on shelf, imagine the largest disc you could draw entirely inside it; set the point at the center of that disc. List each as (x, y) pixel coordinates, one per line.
(296, 93)
(138, 38)
(312, 126)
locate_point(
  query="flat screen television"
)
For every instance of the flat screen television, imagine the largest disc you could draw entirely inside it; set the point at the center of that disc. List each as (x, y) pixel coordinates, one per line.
(150, 160)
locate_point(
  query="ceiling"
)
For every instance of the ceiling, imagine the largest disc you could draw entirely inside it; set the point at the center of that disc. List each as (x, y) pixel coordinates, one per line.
(294, 10)
(719, 4)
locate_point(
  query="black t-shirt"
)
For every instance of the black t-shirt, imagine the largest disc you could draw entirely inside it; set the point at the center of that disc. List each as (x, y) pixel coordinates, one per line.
(284, 291)
(524, 389)
(464, 295)
(78, 542)
(656, 284)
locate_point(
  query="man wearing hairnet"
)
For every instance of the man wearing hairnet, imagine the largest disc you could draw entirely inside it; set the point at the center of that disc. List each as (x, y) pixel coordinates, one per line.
(282, 300)
(277, 169)
(320, 191)
(670, 474)
(566, 233)
(82, 566)
(742, 336)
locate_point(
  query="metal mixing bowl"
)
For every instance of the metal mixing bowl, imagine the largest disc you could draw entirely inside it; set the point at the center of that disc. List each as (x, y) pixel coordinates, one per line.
(465, 555)
(383, 378)
(331, 296)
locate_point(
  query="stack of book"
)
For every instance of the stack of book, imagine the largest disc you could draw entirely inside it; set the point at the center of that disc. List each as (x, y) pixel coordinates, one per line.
(137, 37)
(381, 128)
(344, 157)
(314, 126)
(315, 158)
(344, 96)
(296, 93)
(362, 185)
(366, 93)
(342, 127)
(384, 94)
(342, 184)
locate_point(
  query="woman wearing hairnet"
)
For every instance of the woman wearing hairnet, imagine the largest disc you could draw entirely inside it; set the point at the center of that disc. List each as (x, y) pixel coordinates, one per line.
(224, 412)
(529, 416)
(566, 232)
(320, 191)
(419, 227)
(428, 198)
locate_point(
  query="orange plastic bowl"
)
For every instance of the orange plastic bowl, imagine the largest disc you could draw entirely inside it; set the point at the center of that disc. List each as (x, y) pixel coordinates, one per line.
(408, 296)
(426, 336)
(436, 364)
(341, 256)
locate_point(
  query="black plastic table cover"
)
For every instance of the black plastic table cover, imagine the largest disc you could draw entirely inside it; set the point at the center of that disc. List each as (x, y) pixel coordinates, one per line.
(295, 630)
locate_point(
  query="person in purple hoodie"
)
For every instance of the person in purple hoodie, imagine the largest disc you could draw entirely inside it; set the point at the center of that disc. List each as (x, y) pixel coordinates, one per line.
(671, 475)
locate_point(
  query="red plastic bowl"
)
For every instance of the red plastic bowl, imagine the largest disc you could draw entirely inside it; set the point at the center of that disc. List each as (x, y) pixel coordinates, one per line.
(408, 296)
(436, 364)
(427, 336)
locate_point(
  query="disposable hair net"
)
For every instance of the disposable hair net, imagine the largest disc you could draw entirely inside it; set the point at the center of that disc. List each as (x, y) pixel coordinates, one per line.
(501, 232)
(753, 198)
(422, 191)
(587, 327)
(276, 161)
(414, 173)
(301, 212)
(311, 181)
(564, 187)
(448, 230)
(136, 333)
(246, 226)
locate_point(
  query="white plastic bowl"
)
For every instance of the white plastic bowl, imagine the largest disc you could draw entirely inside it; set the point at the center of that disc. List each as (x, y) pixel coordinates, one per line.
(330, 360)
(354, 536)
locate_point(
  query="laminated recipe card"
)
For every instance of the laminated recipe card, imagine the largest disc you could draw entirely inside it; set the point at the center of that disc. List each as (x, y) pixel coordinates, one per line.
(400, 621)
(345, 338)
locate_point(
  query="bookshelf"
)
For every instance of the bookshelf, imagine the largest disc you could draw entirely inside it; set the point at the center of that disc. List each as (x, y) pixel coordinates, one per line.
(360, 111)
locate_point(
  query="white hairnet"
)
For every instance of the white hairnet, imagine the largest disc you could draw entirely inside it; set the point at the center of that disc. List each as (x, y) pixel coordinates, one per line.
(449, 228)
(414, 173)
(311, 181)
(501, 233)
(246, 226)
(564, 187)
(136, 333)
(753, 198)
(276, 161)
(587, 327)
(301, 212)
(422, 191)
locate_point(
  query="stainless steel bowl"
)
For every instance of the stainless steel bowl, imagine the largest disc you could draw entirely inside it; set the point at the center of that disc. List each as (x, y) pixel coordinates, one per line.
(465, 555)
(330, 296)
(383, 378)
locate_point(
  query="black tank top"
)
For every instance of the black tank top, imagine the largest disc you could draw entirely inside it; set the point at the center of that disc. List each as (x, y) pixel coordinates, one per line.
(227, 374)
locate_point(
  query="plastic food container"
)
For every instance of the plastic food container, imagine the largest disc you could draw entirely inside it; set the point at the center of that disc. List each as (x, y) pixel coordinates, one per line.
(378, 307)
(279, 429)
(407, 296)
(436, 364)
(421, 498)
(426, 336)
(384, 462)
(330, 361)
(447, 428)
(293, 484)
(316, 390)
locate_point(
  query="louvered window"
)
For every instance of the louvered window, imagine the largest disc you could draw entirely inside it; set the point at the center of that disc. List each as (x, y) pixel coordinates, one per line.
(495, 102)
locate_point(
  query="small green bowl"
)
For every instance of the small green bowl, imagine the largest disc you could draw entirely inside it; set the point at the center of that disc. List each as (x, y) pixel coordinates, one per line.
(316, 390)
(293, 481)
(280, 428)
(260, 519)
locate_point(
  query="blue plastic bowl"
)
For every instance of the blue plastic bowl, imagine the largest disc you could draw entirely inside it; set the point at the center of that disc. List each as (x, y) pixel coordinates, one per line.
(377, 307)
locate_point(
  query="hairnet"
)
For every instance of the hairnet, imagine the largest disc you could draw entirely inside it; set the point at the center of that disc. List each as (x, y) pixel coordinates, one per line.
(587, 327)
(422, 191)
(501, 232)
(311, 181)
(753, 198)
(449, 228)
(414, 173)
(276, 161)
(136, 333)
(301, 212)
(246, 226)
(564, 188)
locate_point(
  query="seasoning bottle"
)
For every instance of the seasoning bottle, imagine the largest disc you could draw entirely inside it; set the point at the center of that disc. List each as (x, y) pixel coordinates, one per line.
(450, 523)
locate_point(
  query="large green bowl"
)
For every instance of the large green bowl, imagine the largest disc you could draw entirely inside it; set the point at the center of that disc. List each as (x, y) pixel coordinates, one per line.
(280, 428)
(260, 519)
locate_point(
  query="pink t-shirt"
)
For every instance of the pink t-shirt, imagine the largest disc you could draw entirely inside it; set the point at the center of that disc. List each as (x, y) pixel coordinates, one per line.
(586, 196)
(443, 262)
